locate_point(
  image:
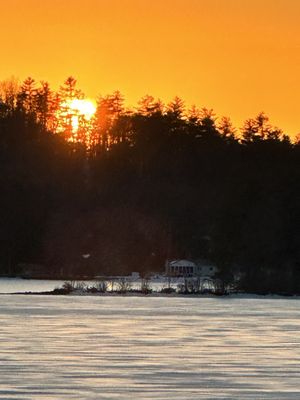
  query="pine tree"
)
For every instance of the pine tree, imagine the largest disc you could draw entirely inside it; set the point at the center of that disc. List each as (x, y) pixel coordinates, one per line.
(27, 97)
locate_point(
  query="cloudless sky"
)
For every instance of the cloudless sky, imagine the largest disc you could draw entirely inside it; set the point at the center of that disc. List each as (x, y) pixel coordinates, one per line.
(238, 57)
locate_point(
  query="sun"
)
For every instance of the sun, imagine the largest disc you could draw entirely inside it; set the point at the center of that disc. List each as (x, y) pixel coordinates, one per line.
(82, 107)
(78, 111)
(75, 120)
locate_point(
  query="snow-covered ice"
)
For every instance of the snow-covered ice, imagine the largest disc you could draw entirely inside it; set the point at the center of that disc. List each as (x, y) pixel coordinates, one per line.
(65, 347)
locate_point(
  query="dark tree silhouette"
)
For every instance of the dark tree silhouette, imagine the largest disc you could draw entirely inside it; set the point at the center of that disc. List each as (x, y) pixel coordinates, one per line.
(133, 187)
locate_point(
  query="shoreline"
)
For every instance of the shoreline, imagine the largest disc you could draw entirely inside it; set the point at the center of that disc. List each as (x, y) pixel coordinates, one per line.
(161, 295)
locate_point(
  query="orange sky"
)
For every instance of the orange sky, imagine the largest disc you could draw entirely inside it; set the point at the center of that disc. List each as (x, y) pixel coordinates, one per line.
(238, 57)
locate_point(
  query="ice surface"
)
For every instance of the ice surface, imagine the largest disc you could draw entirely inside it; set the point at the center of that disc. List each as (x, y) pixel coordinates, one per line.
(14, 285)
(68, 347)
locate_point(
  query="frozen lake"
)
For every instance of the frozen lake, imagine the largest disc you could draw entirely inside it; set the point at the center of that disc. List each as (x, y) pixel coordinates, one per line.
(149, 348)
(14, 285)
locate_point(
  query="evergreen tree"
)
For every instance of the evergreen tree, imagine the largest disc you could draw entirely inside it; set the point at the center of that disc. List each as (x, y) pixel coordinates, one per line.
(27, 96)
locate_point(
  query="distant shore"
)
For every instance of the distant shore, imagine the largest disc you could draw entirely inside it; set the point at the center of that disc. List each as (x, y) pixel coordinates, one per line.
(160, 294)
(128, 287)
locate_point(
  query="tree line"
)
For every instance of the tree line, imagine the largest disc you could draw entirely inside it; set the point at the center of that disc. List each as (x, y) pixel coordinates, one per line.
(132, 188)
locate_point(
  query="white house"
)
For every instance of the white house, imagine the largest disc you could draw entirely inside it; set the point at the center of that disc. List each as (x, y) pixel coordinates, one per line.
(180, 268)
(190, 268)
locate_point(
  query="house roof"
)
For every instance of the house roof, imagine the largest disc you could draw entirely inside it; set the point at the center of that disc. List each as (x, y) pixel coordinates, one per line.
(181, 263)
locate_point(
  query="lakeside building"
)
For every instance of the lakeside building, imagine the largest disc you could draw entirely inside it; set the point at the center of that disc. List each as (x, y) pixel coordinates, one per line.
(188, 268)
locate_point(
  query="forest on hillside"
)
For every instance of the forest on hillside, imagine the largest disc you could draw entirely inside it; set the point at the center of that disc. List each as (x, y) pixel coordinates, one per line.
(133, 188)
